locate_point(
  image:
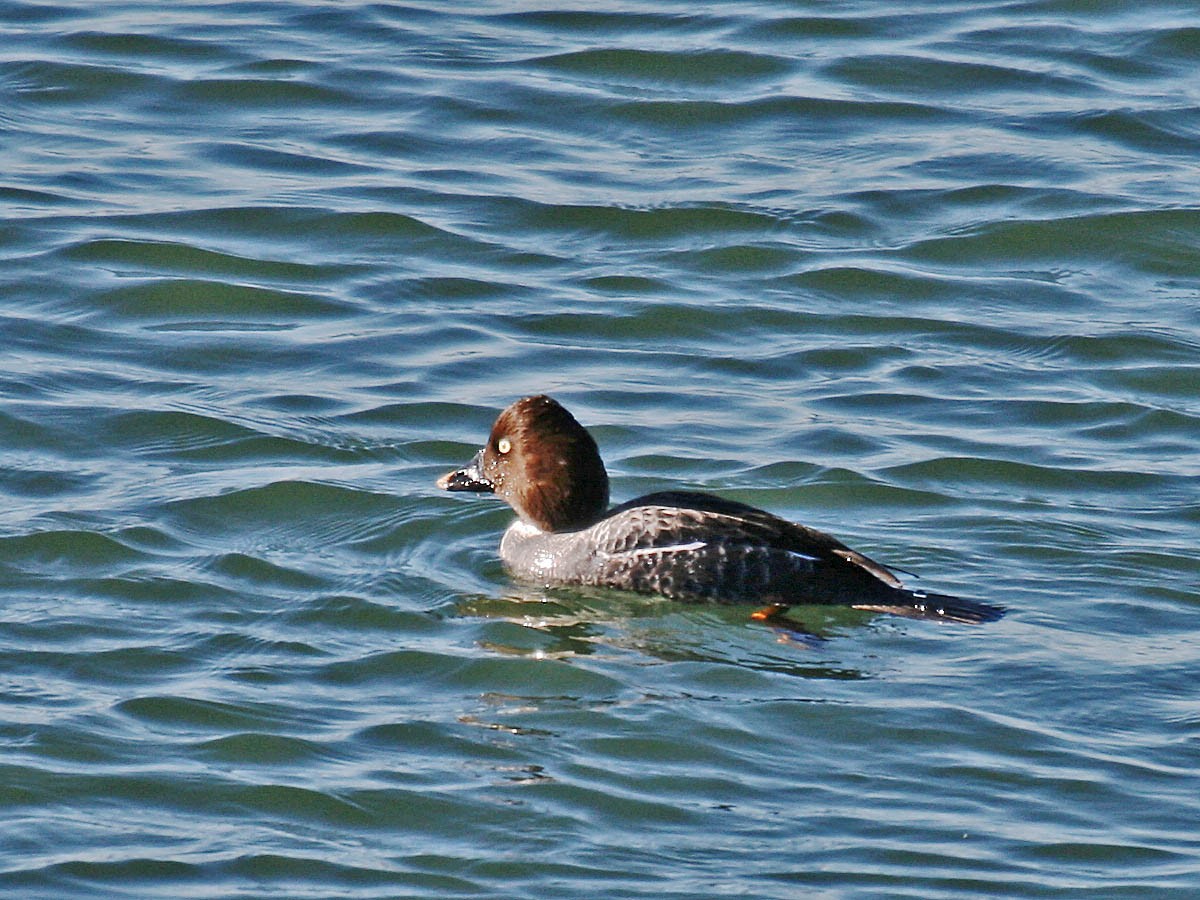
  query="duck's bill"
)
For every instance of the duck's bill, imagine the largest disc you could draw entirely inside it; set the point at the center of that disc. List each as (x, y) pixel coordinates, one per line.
(468, 478)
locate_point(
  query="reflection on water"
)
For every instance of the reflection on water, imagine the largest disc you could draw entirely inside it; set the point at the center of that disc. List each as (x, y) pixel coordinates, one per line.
(561, 623)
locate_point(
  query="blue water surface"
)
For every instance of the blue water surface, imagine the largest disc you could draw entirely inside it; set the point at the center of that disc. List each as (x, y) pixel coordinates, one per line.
(923, 275)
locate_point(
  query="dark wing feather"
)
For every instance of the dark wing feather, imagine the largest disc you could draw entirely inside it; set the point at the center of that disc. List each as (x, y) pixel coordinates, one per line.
(733, 551)
(767, 529)
(703, 547)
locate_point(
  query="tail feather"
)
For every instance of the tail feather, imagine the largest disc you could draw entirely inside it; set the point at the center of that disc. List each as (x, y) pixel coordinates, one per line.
(935, 607)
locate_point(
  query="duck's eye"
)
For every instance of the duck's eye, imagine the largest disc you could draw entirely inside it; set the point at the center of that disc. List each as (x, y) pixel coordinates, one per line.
(504, 445)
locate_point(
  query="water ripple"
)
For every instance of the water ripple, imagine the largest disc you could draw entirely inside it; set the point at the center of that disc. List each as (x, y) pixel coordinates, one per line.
(924, 277)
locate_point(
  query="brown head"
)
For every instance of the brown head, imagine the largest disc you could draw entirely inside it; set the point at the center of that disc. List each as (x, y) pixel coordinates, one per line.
(543, 463)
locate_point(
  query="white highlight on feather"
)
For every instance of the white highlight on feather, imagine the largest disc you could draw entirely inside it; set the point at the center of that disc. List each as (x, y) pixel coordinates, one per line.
(655, 551)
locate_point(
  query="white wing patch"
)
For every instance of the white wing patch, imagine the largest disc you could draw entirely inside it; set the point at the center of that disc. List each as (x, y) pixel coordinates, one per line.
(655, 551)
(803, 556)
(694, 545)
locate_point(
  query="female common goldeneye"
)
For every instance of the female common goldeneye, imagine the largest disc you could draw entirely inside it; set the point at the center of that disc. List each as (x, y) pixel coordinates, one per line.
(683, 545)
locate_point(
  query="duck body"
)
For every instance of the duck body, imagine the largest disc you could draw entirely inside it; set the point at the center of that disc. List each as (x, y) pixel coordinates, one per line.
(686, 546)
(691, 546)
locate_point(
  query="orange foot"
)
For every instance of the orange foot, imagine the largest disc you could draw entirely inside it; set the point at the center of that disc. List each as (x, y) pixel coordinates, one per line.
(786, 630)
(769, 612)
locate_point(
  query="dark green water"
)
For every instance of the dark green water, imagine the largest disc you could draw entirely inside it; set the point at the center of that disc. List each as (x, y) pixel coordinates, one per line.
(924, 276)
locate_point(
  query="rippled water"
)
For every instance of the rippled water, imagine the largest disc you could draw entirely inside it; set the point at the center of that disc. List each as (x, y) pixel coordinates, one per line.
(924, 276)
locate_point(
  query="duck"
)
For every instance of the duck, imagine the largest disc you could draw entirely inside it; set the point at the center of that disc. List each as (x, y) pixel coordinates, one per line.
(683, 545)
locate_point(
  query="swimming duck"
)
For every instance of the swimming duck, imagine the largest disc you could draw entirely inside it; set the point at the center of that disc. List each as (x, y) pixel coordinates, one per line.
(682, 545)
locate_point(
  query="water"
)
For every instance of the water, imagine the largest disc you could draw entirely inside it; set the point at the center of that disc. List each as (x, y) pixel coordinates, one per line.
(924, 276)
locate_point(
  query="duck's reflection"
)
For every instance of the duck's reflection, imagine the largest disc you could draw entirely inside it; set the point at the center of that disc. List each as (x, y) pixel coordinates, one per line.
(559, 624)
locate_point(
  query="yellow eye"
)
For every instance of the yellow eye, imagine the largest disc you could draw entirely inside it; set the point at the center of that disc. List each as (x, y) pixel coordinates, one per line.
(503, 445)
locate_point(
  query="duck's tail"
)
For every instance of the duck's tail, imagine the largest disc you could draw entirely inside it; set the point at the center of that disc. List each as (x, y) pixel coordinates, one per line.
(935, 607)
